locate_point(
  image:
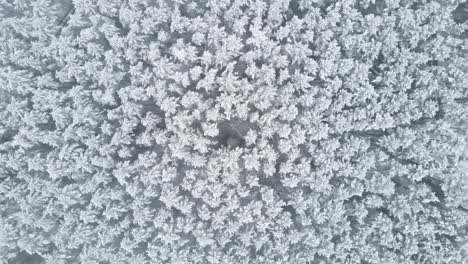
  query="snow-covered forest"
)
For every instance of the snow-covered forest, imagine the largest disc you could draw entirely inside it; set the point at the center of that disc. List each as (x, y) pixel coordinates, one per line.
(233, 131)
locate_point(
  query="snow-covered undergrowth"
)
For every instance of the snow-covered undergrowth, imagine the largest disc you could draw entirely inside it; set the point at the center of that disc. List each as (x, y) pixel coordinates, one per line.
(233, 131)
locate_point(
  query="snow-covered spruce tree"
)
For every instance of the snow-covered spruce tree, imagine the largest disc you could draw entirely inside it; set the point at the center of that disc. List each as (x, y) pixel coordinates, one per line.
(233, 131)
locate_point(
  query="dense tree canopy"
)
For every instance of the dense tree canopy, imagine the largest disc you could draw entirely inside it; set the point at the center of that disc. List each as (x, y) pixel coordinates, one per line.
(233, 131)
